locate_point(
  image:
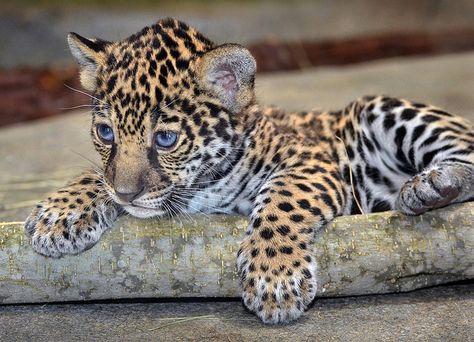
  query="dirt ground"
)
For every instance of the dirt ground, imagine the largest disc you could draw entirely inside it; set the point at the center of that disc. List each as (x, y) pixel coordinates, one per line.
(438, 314)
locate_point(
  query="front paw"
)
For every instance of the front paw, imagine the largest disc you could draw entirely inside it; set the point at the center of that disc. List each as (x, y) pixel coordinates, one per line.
(61, 225)
(279, 288)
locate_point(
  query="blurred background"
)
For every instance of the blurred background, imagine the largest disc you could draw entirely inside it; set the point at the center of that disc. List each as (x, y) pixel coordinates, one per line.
(284, 36)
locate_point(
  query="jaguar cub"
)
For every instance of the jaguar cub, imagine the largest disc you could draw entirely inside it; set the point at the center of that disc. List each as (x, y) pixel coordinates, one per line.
(178, 128)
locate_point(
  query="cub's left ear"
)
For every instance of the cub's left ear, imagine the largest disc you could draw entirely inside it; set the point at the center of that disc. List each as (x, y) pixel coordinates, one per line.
(228, 72)
(89, 53)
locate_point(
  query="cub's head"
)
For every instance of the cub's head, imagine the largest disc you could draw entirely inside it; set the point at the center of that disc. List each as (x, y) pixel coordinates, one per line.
(167, 104)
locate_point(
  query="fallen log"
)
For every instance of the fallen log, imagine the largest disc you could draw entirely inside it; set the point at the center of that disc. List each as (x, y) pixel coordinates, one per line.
(363, 254)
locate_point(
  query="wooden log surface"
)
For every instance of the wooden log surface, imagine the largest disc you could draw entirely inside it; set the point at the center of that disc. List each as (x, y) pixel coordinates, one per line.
(363, 254)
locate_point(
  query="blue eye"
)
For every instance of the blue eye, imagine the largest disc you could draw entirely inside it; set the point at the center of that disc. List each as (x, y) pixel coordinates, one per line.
(105, 133)
(166, 139)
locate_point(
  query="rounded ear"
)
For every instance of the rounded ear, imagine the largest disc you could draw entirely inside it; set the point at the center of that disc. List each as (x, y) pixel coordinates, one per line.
(228, 72)
(88, 54)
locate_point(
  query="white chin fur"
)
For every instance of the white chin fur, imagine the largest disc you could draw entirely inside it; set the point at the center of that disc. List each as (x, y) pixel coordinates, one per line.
(143, 212)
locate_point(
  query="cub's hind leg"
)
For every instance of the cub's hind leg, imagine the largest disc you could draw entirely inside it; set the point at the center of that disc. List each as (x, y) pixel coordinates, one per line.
(416, 157)
(444, 157)
(438, 147)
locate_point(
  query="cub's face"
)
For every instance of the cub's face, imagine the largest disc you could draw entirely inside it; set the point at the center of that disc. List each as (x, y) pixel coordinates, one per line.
(166, 112)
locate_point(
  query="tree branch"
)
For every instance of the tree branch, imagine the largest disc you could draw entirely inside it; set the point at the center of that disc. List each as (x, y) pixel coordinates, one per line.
(364, 254)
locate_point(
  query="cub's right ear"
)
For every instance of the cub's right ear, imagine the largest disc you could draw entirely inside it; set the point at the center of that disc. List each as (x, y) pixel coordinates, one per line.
(89, 53)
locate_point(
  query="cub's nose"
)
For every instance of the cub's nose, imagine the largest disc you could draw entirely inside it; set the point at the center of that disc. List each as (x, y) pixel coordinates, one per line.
(130, 196)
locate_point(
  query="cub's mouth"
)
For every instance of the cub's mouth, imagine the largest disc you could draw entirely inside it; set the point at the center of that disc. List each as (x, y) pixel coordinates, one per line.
(145, 208)
(144, 212)
(148, 204)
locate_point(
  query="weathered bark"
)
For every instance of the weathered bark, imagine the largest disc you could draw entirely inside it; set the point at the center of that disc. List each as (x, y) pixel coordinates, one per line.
(365, 254)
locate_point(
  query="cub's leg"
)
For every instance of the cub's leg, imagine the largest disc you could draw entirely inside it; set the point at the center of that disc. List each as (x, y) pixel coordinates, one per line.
(441, 149)
(276, 261)
(426, 153)
(73, 218)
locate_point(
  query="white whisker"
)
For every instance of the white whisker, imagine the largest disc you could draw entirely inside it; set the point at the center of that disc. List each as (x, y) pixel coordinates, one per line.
(84, 93)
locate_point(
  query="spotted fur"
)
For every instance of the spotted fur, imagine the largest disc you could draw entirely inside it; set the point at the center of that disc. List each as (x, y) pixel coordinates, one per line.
(290, 173)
